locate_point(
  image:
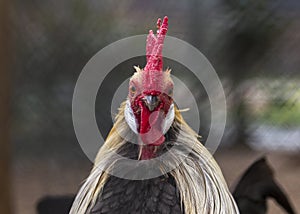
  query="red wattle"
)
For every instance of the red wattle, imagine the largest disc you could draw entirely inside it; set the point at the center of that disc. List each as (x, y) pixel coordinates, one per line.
(150, 126)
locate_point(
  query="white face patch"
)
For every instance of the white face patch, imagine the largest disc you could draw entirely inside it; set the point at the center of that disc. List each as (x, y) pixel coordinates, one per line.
(169, 119)
(130, 118)
(132, 123)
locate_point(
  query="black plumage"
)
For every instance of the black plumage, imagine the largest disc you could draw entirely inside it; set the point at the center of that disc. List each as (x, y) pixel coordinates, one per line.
(55, 204)
(257, 185)
(157, 195)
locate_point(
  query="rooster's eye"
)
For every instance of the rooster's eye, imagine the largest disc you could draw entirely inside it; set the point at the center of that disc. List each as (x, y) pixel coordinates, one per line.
(170, 92)
(132, 89)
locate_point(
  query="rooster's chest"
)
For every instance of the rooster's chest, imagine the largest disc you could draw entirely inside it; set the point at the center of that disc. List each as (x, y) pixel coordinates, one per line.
(157, 195)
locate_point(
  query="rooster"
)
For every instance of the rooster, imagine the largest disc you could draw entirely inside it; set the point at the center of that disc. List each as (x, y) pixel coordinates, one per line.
(147, 126)
(256, 185)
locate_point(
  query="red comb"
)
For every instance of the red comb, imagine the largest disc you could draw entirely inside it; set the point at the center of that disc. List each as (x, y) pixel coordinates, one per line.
(154, 46)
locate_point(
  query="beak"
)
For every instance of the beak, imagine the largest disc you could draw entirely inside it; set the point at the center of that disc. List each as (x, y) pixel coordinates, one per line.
(151, 102)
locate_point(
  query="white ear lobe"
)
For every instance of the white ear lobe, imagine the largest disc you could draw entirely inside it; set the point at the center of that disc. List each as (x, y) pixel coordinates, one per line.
(130, 118)
(169, 119)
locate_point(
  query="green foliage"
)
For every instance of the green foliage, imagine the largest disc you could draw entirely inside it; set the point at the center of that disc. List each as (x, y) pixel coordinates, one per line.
(282, 114)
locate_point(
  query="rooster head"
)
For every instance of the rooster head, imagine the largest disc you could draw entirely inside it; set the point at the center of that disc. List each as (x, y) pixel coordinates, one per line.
(150, 110)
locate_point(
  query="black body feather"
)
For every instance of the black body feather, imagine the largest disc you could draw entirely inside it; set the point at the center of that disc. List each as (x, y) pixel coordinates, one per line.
(157, 195)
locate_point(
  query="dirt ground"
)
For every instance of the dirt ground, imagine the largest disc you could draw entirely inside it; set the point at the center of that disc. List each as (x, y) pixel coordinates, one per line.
(33, 179)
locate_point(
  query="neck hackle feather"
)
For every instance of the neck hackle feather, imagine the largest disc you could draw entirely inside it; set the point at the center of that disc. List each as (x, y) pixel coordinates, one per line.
(199, 179)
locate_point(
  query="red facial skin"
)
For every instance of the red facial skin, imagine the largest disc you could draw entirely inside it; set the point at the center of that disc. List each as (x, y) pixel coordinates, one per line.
(150, 122)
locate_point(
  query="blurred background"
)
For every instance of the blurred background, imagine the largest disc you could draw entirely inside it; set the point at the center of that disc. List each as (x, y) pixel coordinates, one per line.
(254, 47)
